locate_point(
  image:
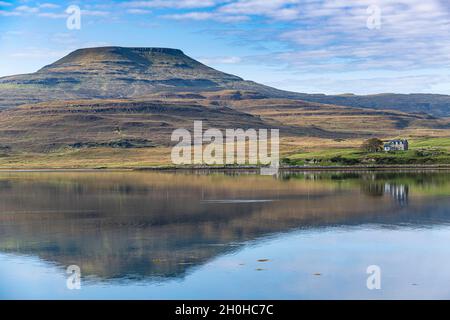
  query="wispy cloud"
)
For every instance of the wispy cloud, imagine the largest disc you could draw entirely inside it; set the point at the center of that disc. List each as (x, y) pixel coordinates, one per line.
(202, 16)
(9, 13)
(42, 10)
(34, 52)
(276, 9)
(220, 60)
(53, 15)
(172, 4)
(139, 11)
(285, 38)
(333, 34)
(421, 83)
(49, 5)
(95, 13)
(27, 9)
(412, 33)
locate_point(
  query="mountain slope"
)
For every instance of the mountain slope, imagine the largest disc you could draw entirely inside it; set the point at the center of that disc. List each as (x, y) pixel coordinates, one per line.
(129, 123)
(116, 72)
(117, 107)
(148, 122)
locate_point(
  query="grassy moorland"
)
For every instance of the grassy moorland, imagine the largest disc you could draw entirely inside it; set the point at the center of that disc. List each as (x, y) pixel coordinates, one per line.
(132, 133)
(115, 107)
(423, 151)
(87, 158)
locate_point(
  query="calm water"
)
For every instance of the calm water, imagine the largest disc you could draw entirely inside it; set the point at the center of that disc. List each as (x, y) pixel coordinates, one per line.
(185, 236)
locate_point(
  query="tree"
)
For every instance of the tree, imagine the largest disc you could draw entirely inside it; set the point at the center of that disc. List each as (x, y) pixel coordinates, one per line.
(372, 145)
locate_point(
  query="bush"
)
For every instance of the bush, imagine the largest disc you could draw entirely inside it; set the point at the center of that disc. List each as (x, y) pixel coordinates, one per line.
(372, 145)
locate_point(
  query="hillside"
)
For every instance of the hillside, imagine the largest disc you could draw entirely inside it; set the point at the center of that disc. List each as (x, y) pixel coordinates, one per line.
(136, 132)
(117, 107)
(49, 126)
(118, 72)
(149, 121)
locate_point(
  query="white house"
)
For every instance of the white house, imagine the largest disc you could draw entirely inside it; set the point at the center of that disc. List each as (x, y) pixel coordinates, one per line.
(396, 145)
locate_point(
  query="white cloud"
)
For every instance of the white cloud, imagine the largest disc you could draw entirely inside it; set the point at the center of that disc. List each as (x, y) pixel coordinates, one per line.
(306, 36)
(34, 53)
(420, 83)
(138, 11)
(201, 16)
(412, 33)
(26, 9)
(333, 35)
(276, 9)
(241, 10)
(173, 4)
(53, 15)
(97, 13)
(49, 6)
(64, 38)
(220, 60)
(9, 13)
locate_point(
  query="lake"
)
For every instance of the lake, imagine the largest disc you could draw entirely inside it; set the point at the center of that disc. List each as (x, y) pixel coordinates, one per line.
(162, 235)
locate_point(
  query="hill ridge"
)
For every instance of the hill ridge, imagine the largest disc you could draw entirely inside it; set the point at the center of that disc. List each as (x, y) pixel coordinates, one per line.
(129, 72)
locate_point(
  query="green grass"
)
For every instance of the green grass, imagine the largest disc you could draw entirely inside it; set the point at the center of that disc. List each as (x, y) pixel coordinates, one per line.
(443, 143)
(19, 86)
(422, 151)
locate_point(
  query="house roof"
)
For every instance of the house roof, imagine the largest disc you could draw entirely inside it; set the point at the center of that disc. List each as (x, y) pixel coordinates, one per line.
(396, 141)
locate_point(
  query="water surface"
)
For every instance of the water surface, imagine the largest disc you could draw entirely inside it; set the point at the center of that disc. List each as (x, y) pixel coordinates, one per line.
(147, 235)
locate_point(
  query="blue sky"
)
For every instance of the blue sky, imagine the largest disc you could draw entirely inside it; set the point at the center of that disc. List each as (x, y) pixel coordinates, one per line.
(332, 46)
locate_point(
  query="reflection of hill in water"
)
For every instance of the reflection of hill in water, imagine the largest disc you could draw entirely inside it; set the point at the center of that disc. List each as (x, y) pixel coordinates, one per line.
(159, 225)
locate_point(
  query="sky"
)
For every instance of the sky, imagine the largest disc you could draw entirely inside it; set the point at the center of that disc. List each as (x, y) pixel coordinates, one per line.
(312, 46)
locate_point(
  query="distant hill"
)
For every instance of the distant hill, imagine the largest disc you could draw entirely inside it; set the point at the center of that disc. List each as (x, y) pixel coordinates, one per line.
(118, 72)
(433, 104)
(117, 107)
(148, 122)
(110, 123)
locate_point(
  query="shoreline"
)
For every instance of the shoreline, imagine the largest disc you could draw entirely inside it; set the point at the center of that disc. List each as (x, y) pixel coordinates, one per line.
(287, 169)
(236, 169)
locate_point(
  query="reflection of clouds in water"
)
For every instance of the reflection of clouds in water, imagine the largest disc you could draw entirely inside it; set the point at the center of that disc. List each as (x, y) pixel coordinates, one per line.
(152, 225)
(340, 256)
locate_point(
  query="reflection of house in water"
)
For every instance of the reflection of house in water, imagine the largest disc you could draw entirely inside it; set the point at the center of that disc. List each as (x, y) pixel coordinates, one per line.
(397, 191)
